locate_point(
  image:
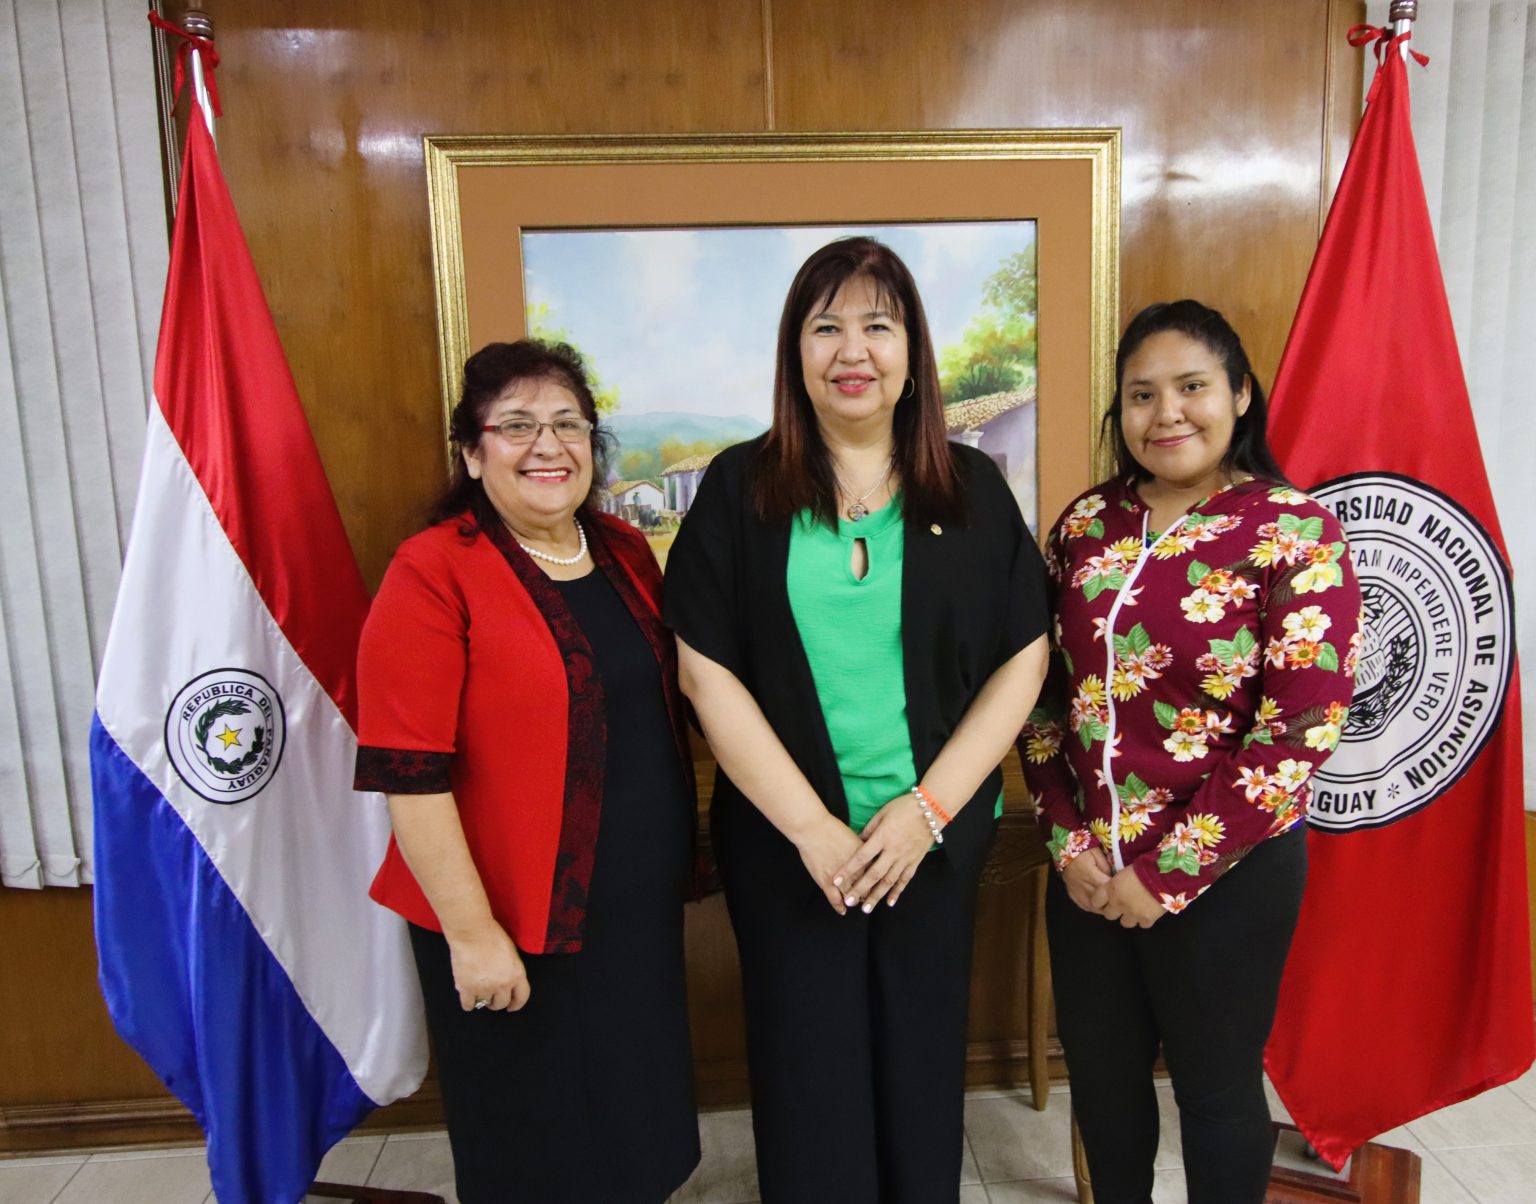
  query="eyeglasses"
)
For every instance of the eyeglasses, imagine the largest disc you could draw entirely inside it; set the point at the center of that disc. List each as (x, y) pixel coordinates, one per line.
(526, 430)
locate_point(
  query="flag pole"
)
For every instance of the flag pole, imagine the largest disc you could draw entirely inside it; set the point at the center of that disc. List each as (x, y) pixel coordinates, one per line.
(198, 23)
(1401, 16)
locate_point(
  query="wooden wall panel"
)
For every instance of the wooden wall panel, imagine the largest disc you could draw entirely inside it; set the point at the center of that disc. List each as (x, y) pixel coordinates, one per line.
(57, 1044)
(1236, 119)
(1222, 107)
(325, 108)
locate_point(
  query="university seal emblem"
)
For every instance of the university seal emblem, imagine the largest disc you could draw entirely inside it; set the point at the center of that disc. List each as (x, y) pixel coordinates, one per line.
(224, 733)
(1437, 653)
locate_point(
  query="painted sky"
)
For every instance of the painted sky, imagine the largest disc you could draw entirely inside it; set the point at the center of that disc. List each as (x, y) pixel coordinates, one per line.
(685, 320)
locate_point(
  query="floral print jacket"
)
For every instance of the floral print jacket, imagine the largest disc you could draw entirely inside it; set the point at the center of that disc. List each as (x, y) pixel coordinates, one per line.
(1200, 676)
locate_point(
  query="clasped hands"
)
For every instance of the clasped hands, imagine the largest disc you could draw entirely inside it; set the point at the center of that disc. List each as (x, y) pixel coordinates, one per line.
(860, 871)
(1093, 886)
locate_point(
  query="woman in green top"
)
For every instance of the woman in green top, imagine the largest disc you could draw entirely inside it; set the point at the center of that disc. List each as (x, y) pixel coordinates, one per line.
(861, 615)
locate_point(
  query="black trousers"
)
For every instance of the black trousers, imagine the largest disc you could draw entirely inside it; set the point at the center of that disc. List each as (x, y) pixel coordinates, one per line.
(855, 1024)
(1203, 985)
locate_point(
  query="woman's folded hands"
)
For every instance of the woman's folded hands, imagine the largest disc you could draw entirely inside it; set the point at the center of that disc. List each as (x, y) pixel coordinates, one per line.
(892, 848)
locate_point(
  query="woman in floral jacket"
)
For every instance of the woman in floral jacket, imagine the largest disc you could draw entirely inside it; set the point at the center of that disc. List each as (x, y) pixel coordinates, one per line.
(1206, 641)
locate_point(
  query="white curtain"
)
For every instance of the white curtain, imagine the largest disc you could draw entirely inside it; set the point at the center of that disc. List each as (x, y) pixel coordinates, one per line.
(82, 265)
(1474, 121)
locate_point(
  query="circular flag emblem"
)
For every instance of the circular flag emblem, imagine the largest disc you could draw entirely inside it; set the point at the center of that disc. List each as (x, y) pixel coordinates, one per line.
(1438, 648)
(225, 733)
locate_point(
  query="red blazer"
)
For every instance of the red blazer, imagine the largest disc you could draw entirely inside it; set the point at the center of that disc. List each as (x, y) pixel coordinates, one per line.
(474, 677)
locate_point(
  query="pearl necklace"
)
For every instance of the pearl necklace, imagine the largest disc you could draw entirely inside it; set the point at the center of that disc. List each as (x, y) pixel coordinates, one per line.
(580, 552)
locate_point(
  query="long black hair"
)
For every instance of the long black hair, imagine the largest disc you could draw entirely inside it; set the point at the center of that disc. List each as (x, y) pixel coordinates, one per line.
(1249, 450)
(488, 374)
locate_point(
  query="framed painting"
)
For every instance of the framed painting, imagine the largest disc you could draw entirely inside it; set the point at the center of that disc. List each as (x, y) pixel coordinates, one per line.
(665, 261)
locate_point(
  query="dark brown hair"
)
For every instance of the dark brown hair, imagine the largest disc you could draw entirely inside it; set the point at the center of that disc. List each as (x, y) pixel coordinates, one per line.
(1249, 450)
(793, 468)
(488, 374)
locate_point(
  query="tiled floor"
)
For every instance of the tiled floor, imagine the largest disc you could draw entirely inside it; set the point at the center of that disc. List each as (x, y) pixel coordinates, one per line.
(1479, 1152)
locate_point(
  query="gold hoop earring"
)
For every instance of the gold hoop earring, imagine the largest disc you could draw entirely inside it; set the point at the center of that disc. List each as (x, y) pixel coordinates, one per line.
(909, 391)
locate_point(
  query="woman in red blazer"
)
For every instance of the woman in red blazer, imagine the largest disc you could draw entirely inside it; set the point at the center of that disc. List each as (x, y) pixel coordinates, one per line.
(519, 708)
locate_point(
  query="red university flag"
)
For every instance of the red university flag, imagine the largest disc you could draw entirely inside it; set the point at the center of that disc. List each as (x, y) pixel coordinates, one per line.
(1409, 984)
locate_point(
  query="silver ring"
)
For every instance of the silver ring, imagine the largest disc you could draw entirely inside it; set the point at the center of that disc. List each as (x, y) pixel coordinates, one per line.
(482, 1003)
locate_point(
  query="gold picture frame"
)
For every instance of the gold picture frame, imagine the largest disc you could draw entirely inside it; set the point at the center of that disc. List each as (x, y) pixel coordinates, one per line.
(484, 191)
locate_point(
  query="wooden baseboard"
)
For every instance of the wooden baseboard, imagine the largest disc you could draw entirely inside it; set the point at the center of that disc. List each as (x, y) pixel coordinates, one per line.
(97, 1124)
(162, 1121)
(1005, 1064)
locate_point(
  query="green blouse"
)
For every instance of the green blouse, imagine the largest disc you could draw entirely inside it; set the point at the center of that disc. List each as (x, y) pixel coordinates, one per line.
(973, 595)
(851, 629)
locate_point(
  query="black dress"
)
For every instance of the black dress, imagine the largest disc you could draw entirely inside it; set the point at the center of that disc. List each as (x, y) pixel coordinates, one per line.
(585, 1096)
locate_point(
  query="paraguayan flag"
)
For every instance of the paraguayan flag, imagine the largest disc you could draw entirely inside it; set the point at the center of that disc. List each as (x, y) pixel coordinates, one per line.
(239, 952)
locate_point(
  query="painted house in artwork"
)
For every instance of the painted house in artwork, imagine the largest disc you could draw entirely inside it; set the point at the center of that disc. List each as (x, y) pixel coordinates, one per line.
(1003, 426)
(680, 482)
(636, 502)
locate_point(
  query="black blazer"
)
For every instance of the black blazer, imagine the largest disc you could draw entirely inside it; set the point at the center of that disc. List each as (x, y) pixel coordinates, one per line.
(972, 596)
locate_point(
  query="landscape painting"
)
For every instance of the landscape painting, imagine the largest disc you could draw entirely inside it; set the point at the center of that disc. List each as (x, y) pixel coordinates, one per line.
(678, 327)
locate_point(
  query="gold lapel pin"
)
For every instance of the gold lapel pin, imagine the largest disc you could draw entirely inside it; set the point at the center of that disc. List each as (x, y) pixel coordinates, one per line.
(936, 529)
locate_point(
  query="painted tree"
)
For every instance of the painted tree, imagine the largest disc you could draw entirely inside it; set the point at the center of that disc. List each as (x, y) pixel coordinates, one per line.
(541, 325)
(996, 352)
(641, 464)
(674, 451)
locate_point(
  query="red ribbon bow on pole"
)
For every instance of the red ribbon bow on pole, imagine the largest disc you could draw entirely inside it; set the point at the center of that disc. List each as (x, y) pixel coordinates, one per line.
(1386, 41)
(191, 44)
